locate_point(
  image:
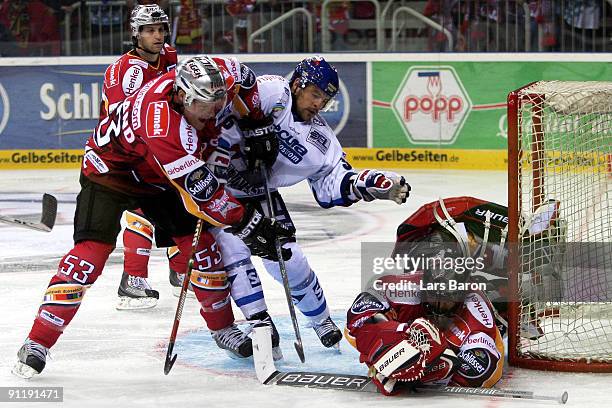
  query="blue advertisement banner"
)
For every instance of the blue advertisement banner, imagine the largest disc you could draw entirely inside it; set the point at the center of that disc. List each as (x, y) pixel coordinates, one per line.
(57, 106)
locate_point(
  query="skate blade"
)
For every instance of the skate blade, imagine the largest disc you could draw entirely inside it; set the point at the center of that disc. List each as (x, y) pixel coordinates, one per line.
(235, 356)
(23, 371)
(128, 303)
(176, 291)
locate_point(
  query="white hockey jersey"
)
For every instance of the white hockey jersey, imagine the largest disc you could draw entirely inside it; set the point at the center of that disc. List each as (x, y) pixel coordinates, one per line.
(307, 151)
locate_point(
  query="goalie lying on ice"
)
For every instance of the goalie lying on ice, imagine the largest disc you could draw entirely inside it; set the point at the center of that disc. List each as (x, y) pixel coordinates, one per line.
(417, 326)
(416, 337)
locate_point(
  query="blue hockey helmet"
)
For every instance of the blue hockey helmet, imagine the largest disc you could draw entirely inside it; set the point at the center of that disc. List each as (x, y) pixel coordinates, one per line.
(315, 70)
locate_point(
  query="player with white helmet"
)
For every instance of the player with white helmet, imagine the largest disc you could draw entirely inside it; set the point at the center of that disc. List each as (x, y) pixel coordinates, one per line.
(296, 145)
(149, 58)
(156, 152)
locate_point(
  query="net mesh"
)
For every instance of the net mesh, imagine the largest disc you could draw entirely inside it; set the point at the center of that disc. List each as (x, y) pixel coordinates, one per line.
(564, 162)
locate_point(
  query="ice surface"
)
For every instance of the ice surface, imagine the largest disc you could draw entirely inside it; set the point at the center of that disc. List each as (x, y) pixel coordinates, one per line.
(111, 358)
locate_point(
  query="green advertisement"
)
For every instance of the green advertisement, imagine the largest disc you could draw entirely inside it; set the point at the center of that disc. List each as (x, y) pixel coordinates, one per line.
(457, 105)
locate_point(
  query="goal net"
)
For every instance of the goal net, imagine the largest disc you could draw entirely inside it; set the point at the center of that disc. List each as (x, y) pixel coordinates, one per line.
(560, 213)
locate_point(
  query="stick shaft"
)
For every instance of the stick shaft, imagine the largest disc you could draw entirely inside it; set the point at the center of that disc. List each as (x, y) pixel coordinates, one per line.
(299, 348)
(170, 359)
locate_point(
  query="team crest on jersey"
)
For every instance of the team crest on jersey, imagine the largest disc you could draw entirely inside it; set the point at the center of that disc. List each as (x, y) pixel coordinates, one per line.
(132, 80)
(158, 119)
(319, 140)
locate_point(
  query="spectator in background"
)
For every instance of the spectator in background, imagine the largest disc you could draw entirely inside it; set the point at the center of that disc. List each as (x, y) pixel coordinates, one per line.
(239, 10)
(583, 20)
(29, 28)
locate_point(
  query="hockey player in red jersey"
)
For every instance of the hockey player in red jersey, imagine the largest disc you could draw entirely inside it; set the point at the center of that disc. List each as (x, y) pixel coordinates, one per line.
(428, 324)
(149, 58)
(155, 152)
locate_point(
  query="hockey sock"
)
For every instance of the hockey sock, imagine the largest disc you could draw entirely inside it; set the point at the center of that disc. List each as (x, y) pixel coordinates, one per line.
(137, 242)
(209, 280)
(77, 270)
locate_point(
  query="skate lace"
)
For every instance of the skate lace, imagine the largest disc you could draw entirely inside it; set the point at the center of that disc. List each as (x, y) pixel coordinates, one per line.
(324, 327)
(138, 282)
(232, 337)
(36, 349)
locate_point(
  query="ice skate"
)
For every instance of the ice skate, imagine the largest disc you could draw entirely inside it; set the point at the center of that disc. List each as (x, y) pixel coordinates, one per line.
(328, 333)
(32, 359)
(234, 341)
(176, 280)
(135, 293)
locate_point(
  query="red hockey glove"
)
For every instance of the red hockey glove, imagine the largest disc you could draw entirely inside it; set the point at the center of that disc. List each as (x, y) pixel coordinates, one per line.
(406, 355)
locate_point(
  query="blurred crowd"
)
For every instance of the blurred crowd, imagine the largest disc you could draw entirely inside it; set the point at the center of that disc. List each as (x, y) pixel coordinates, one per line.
(79, 27)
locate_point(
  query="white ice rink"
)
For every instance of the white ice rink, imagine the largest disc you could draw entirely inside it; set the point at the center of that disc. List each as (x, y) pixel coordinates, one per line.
(115, 359)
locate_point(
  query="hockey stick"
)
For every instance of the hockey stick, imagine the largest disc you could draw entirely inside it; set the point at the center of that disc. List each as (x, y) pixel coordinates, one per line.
(361, 383)
(267, 374)
(47, 218)
(170, 359)
(299, 348)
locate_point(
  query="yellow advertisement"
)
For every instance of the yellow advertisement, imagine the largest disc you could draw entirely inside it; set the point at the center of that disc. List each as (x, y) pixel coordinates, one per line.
(40, 159)
(448, 159)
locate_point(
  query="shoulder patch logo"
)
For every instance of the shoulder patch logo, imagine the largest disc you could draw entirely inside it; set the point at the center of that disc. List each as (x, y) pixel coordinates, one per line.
(158, 119)
(132, 80)
(319, 140)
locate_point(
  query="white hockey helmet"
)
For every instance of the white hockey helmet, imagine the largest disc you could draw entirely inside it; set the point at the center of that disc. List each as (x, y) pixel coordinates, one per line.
(201, 79)
(147, 14)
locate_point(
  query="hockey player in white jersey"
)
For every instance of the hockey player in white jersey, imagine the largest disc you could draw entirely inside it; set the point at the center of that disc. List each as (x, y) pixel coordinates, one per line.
(298, 145)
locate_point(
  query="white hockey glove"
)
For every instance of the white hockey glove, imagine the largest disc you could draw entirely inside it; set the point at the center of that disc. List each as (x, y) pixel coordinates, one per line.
(371, 184)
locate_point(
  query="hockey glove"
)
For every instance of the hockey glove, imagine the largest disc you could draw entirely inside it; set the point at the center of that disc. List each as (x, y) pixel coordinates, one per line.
(260, 141)
(383, 185)
(259, 233)
(218, 163)
(406, 353)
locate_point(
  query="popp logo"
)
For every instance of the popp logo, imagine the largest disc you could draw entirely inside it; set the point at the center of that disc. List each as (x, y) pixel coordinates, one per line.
(432, 105)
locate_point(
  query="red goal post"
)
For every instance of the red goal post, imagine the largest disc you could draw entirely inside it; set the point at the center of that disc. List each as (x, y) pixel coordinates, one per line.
(560, 148)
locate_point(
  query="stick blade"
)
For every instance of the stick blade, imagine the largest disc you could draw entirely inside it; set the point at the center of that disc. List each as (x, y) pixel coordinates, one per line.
(169, 363)
(299, 349)
(49, 211)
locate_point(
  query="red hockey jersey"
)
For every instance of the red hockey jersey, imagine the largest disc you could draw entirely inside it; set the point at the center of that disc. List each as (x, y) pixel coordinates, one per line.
(145, 146)
(126, 75)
